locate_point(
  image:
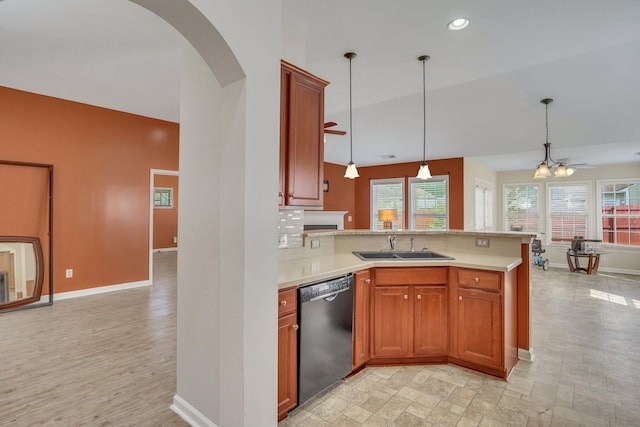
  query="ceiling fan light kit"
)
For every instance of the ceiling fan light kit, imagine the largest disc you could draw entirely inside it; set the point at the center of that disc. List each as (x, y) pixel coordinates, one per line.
(544, 168)
(424, 172)
(352, 171)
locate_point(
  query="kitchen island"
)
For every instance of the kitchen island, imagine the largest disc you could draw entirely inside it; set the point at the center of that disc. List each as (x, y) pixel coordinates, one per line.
(472, 310)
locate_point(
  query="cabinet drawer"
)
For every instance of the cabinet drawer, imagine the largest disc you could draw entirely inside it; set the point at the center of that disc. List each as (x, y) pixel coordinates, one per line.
(411, 276)
(287, 301)
(480, 279)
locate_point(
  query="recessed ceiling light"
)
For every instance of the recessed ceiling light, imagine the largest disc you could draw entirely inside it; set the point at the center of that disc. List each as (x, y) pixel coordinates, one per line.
(458, 24)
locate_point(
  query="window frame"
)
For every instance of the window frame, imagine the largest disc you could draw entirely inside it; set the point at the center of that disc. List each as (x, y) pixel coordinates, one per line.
(505, 203)
(374, 212)
(599, 216)
(588, 208)
(411, 204)
(163, 190)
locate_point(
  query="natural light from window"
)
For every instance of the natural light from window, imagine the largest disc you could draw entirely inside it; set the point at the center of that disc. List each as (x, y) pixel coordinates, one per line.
(617, 299)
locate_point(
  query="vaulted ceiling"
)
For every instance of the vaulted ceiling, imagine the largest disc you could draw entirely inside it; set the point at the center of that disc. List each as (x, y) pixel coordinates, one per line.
(484, 83)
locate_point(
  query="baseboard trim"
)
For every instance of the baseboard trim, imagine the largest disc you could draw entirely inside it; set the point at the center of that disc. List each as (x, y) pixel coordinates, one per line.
(526, 355)
(189, 413)
(95, 291)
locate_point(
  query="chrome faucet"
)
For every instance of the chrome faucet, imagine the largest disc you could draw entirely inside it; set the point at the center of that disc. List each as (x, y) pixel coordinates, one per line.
(412, 244)
(392, 242)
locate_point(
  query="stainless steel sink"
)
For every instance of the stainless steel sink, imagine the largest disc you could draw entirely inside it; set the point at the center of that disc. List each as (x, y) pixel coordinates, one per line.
(400, 255)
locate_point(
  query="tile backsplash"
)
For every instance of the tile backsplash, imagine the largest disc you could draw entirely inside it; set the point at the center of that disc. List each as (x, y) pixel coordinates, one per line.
(290, 228)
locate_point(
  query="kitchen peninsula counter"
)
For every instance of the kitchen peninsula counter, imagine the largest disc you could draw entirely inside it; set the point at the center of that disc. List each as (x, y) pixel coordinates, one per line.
(297, 272)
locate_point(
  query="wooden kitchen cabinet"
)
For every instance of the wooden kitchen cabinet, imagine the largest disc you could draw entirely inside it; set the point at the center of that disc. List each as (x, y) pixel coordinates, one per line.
(361, 318)
(410, 313)
(287, 351)
(484, 320)
(301, 137)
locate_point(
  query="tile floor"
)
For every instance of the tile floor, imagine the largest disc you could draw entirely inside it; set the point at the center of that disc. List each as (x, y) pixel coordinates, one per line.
(586, 372)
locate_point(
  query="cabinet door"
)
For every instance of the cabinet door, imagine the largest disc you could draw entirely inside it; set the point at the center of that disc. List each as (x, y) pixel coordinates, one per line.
(305, 148)
(480, 327)
(287, 363)
(393, 325)
(430, 321)
(285, 76)
(361, 318)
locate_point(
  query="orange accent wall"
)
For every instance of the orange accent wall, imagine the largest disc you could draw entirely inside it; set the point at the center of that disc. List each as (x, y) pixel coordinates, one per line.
(101, 164)
(165, 220)
(341, 193)
(359, 188)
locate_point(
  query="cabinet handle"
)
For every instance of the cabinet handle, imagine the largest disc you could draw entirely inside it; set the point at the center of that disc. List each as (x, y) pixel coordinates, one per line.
(283, 303)
(419, 296)
(406, 297)
(292, 195)
(295, 327)
(367, 280)
(460, 297)
(477, 279)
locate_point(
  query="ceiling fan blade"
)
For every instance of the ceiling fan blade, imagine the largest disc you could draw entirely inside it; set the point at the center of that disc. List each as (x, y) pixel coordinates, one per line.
(335, 132)
(330, 124)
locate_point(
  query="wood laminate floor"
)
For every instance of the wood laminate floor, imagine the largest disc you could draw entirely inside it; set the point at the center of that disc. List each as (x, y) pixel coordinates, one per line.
(109, 360)
(103, 360)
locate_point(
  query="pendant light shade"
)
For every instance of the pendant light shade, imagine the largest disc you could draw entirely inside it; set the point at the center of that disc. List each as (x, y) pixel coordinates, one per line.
(424, 172)
(352, 171)
(544, 168)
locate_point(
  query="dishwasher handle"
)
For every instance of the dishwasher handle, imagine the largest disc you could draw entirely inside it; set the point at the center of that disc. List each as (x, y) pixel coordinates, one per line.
(329, 297)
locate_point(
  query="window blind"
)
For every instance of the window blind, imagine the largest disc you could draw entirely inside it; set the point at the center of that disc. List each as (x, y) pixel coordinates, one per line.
(568, 211)
(387, 194)
(521, 208)
(429, 203)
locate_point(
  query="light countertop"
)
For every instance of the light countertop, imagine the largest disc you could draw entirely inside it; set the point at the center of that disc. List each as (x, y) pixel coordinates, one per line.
(306, 270)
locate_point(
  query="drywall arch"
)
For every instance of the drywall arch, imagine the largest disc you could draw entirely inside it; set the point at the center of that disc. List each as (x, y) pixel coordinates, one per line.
(227, 265)
(200, 32)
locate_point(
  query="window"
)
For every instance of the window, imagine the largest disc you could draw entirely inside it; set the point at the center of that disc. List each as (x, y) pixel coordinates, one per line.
(521, 208)
(162, 197)
(387, 194)
(429, 203)
(568, 211)
(620, 212)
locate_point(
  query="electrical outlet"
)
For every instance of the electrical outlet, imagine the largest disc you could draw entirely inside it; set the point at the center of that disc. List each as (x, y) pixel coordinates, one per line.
(315, 243)
(69, 273)
(175, 239)
(482, 242)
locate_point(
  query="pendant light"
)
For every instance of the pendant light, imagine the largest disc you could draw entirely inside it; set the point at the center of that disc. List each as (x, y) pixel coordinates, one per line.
(544, 168)
(352, 171)
(424, 172)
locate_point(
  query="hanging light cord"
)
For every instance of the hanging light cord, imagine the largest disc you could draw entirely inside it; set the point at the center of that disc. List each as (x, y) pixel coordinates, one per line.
(350, 117)
(424, 111)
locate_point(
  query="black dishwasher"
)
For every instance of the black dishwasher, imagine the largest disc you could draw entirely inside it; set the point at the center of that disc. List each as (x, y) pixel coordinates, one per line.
(325, 313)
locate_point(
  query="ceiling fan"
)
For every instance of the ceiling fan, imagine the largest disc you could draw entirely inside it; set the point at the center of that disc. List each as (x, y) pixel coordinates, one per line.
(333, 131)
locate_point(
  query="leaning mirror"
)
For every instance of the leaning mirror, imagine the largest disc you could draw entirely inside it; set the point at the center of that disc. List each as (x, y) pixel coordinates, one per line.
(21, 271)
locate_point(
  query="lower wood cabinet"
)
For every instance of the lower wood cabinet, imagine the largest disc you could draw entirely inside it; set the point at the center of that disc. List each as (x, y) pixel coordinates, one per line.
(483, 320)
(287, 351)
(361, 318)
(410, 312)
(480, 327)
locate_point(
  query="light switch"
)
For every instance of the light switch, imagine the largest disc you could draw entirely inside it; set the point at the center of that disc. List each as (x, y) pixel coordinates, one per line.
(69, 273)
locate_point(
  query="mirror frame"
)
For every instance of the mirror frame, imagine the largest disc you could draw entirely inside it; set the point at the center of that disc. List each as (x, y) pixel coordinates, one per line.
(37, 290)
(34, 300)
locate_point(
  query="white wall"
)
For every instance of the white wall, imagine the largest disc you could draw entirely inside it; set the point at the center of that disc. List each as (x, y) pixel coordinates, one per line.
(616, 260)
(227, 265)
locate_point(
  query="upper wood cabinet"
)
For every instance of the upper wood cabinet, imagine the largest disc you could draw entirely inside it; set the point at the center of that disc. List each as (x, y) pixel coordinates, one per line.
(301, 137)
